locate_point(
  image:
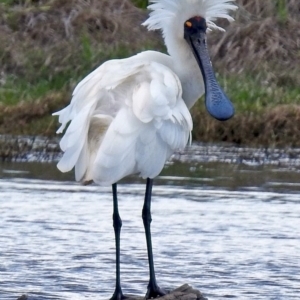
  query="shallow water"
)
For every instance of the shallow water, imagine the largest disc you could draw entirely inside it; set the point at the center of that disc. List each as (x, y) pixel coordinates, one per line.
(230, 230)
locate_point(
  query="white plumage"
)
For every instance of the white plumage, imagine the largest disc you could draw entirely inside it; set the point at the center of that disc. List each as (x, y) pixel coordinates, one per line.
(130, 115)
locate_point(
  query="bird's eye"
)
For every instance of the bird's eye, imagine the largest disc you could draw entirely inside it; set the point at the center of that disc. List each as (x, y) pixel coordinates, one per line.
(188, 24)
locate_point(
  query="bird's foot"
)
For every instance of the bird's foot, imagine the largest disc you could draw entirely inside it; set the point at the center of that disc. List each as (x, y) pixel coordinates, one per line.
(118, 295)
(154, 291)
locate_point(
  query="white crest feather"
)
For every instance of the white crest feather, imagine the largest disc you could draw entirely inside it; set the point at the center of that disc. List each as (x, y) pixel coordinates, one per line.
(169, 14)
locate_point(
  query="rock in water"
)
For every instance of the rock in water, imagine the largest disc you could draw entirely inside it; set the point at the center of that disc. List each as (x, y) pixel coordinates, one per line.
(185, 292)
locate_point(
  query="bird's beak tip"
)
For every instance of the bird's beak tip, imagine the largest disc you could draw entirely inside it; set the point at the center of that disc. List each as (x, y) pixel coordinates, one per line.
(223, 110)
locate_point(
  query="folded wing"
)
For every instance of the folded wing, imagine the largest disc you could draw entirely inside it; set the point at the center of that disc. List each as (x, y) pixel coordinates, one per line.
(127, 117)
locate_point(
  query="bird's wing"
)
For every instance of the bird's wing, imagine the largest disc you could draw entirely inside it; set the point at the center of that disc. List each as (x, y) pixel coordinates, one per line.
(92, 90)
(127, 117)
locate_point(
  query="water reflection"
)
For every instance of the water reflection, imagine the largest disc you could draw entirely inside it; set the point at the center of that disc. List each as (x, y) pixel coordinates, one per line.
(228, 230)
(188, 174)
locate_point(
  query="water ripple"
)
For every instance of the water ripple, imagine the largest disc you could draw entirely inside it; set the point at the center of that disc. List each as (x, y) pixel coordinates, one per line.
(56, 241)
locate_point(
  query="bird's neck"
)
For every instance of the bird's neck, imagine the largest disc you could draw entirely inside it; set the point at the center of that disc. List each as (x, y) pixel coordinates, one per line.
(188, 71)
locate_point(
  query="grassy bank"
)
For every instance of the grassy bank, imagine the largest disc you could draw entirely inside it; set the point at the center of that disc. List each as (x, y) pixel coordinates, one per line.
(47, 46)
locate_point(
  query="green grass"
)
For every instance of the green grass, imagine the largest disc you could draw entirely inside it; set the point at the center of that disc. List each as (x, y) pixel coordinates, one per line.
(282, 10)
(17, 89)
(249, 93)
(141, 3)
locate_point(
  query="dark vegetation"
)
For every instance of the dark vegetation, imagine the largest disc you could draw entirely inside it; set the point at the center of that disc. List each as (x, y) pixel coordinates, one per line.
(47, 46)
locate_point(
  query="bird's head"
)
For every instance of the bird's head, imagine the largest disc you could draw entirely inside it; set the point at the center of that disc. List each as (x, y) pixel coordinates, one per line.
(184, 23)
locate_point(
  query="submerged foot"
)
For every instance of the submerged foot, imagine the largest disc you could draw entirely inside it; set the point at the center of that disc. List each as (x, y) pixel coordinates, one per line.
(154, 291)
(118, 295)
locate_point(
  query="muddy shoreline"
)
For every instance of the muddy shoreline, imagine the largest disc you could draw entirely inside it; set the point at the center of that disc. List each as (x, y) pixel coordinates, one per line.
(46, 150)
(29, 148)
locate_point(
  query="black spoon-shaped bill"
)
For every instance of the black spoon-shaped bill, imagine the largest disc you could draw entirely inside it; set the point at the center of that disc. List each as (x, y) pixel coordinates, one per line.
(216, 101)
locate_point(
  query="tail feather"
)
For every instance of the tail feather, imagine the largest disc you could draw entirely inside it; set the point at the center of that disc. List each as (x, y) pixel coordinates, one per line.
(74, 139)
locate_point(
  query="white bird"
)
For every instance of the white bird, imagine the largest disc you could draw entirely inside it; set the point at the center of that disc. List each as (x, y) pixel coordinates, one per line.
(130, 115)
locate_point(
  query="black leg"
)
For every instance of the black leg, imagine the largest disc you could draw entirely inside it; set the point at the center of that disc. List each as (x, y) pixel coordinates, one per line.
(117, 223)
(153, 289)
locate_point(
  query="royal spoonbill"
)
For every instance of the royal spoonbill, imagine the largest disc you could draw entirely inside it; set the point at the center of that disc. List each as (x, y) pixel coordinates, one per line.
(129, 115)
